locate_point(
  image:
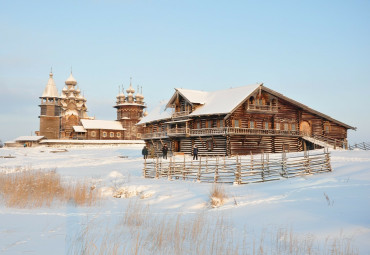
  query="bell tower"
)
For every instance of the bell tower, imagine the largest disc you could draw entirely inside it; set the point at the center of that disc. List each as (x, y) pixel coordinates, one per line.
(130, 110)
(50, 111)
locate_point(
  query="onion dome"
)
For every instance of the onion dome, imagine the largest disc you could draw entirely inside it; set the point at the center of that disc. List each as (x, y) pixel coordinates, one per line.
(64, 89)
(50, 89)
(78, 90)
(71, 95)
(145, 113)
(71, 80)
(130, 90)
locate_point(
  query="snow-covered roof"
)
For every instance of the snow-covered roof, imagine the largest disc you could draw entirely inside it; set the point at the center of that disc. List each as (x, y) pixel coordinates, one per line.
(194, 96)
(29, 138)
(101, 124)
(159, 112)
(79, 129)
(223, 101)
(50, 89)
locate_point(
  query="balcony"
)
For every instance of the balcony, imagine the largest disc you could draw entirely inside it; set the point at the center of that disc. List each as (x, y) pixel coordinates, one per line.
(262, 108)
(254, 131)
(154, 135)
(219, 131)
(178, 131)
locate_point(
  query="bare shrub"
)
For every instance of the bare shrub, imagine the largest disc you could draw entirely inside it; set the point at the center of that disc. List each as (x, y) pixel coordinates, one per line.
(36, 188)
(217, 195)
(140, 231)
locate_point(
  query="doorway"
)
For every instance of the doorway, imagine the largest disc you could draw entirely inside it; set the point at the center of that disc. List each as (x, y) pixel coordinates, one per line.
(305, 128)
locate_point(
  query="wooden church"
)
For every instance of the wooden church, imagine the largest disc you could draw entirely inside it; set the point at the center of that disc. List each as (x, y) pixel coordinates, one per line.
(65, 116)
(237, 121)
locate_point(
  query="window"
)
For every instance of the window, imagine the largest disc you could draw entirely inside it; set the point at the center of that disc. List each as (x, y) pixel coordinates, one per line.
(138, 135)
(251, 124)
(236, 123)
(198, 124)
(326, 127)
(266, 125)
(104, 134)
(209, 123)
(293, 126)
(93, 134)
(277, 126)
(286, 126)
(220, 123)
(119, 134)
(111, 134)
(209, 145)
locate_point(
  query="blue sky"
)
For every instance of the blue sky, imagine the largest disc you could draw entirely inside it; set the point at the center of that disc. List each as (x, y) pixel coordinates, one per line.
(316, 52)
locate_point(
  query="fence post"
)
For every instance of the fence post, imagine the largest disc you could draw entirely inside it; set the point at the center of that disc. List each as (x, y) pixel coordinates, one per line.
(156, 168)
(169, 170)
(237, 171)
(144, 170)
(184, 170)
(283, 165)
(327, 157)
(216, 171)
(306, 161)
(199, 169)
(263, 167)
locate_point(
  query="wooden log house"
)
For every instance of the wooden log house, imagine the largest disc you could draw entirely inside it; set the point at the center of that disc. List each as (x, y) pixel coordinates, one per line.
(239, 121)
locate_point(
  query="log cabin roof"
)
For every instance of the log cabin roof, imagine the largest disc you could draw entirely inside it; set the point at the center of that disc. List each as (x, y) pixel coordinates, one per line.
(304, 107)
(225, 102)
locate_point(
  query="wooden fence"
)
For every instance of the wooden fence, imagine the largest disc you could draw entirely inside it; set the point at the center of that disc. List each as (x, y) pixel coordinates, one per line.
(238, 170)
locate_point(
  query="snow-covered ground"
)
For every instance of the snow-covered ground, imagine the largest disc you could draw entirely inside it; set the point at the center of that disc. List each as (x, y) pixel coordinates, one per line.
(330, 204)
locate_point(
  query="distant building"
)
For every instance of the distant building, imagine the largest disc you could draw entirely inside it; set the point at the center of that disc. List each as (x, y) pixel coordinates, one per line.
(65, 116)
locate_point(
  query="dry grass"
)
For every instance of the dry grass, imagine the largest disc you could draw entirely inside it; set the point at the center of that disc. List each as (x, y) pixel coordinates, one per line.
(139, 231)
(36, 188)
(217, 195)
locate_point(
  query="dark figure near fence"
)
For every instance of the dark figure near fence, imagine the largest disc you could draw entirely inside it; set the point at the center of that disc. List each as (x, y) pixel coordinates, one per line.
(164, 151)
(144, 151)
(195, 152)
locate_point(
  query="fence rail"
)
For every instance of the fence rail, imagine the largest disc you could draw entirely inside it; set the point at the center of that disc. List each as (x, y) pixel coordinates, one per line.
(362, 146)
(238, 170)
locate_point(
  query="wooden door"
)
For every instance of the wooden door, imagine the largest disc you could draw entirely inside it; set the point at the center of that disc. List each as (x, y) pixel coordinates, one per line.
(176, 147)
(305, 128)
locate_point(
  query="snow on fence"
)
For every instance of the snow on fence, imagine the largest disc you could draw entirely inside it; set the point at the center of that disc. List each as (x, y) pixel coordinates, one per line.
(238, 170)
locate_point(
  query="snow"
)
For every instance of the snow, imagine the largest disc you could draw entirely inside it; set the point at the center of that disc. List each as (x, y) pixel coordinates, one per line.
(79, 129)
(328, 204)
(194, 96)
(101, 124)
(28, 138)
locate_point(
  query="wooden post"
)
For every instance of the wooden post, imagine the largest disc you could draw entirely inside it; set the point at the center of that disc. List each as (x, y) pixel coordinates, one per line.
(169, 169)
(199, 169)
(216, 171)
(156, 169)
(327, 157)
(144, 170)
(283, 166)
(263, 167)
(206, 164)
(307, 167)
(237, 172)
(184, 170)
